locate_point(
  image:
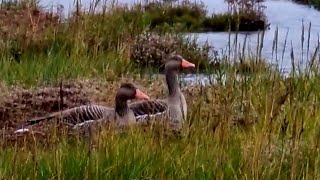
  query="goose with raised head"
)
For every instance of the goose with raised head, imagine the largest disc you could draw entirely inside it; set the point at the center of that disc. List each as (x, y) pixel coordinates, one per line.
(174, 107)
(87, 114)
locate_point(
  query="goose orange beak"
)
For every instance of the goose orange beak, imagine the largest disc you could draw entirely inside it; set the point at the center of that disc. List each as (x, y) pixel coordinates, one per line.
(141, 95)
(187, 64)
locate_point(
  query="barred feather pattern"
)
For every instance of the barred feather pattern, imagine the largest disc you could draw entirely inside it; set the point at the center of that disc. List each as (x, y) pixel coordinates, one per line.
(78, 115)
(173, 112)
(145, 110)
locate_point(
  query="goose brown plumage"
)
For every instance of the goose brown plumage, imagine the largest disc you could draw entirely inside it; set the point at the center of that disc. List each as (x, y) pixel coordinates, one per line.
(174, 107)
(86, 114)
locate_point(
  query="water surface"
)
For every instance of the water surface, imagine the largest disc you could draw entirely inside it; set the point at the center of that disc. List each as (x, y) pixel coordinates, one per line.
(289, 18)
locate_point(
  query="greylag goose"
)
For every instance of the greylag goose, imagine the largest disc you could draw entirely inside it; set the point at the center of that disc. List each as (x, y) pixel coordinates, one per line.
(174, 107)
(90, 113)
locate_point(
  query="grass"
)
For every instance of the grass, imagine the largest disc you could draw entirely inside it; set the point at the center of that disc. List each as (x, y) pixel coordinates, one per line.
(56, 67)
(278, 145)
(51, 69)
(258, 125)
(159, 162)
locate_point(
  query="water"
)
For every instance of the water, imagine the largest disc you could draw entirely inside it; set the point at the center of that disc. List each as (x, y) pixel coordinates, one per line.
(285, 15)
(288, 17)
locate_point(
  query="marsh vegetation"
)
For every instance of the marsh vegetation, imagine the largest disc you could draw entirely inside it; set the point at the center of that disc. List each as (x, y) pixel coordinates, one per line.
(250, 121)
(314, 3)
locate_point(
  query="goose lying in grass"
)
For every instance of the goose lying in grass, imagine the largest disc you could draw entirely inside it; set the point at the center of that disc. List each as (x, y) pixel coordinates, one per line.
(85, 114)
(174, 107)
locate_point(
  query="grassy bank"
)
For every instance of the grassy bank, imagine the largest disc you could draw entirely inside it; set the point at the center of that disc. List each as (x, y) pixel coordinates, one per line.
(262, 126)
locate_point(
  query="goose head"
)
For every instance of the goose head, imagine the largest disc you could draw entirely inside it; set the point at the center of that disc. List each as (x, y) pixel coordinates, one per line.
(177, 62)
(128, 91)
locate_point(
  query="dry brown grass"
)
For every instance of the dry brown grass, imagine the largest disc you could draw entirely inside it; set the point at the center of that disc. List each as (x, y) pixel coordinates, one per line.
(29, 23)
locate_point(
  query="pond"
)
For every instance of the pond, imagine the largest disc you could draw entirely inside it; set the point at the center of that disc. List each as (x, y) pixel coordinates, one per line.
(284, 15)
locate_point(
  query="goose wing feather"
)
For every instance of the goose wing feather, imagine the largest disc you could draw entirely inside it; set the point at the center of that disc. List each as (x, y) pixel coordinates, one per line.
(144, 110)
(148, 107)
(77, 114)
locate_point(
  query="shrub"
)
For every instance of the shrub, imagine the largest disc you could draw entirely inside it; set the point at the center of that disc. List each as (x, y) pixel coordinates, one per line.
(151, 49)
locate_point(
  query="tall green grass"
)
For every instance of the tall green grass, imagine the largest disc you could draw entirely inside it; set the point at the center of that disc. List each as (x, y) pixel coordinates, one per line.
(279, 145)
(43, 69)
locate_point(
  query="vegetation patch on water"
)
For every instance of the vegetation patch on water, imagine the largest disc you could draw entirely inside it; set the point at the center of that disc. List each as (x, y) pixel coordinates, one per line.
(193, 16)
(314, 3)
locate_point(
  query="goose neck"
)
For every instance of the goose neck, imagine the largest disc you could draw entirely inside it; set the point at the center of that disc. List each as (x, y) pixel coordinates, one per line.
(121, 106)
(172, 83)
